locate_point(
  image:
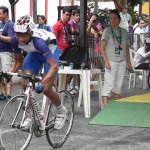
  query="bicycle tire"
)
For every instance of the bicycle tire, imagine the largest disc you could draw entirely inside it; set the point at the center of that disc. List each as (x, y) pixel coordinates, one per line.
(56, 138)
(148, 80)
(12, 137)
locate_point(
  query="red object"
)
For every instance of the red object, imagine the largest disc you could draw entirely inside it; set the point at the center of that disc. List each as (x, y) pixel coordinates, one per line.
(58, 29)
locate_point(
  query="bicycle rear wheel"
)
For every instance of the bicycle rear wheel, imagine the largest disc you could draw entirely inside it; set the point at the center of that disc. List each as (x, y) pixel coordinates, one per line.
(11, 135)
(149, 79)
(57, 138)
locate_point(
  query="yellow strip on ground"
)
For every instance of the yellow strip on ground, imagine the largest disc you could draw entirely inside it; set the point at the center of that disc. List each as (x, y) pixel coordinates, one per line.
(145, 98)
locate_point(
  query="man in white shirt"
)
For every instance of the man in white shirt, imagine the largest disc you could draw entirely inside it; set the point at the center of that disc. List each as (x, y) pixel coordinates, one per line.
(142, 55)
(126, 19)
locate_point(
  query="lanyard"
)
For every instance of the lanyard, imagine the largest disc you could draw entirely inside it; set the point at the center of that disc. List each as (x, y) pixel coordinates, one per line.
(115, 37)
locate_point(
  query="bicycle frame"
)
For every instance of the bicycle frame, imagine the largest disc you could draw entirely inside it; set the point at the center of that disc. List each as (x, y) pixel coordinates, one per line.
(41, 115)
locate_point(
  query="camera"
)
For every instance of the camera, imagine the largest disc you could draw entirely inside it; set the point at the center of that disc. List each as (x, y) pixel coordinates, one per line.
(70, 40)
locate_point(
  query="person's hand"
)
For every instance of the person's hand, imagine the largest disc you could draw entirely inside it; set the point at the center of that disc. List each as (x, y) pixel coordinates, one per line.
(39, 88)
(107, 65)
(93, 18)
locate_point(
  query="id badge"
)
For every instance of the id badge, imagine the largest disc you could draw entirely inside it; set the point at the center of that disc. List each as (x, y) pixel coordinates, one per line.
(117, 51)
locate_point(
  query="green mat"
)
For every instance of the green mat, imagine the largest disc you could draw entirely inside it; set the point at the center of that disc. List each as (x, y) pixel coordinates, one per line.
(124, 114)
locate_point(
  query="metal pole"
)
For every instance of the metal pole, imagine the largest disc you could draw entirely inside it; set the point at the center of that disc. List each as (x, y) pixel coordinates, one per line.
(35, 11)
(13, 13)
(149, 18)
(83, 35)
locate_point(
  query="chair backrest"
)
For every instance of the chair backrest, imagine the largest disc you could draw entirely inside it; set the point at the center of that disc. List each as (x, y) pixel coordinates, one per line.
(132, 54)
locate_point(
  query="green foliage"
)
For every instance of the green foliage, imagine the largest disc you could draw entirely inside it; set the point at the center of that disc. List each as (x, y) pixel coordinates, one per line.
(133, 3)
(134, 15)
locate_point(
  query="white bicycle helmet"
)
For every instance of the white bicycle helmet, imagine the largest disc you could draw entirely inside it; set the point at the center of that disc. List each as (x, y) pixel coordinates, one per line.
(24, 24)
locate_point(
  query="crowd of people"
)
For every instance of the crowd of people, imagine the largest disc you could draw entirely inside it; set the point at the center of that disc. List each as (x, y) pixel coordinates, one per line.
(111, 45)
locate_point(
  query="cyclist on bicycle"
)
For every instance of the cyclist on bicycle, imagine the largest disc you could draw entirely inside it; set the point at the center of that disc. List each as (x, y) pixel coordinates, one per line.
(41, 47)
(142, 55)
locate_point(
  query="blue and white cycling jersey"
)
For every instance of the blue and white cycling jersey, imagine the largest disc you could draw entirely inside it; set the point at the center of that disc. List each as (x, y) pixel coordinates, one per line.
(42, 41)
(41, 48)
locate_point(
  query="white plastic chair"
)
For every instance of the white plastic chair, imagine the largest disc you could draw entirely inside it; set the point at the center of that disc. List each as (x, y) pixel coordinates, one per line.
(133, 75)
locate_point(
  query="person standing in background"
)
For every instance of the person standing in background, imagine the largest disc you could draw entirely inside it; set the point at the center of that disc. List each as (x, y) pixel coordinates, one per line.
(139, 34)
(141, 27)
(62, 30)
(6, 51)
(94, 28)
(75, 25)
(126, 19)
(115, 52)
(42, 23)
(94, 32)
(75, 30)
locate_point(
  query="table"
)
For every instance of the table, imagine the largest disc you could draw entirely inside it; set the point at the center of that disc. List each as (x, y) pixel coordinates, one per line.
(84, 92)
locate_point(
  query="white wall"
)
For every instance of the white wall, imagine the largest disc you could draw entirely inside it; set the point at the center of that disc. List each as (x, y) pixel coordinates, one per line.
(22, 8)
(52, 12)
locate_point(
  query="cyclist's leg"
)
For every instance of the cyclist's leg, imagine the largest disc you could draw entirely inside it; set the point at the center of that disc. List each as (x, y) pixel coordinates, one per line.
(61, 112)
(32, 63)
(48, 87)
(52, 95)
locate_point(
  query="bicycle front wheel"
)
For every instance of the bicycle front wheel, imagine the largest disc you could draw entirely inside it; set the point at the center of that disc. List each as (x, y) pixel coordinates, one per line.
(57, 138)
(12, 137)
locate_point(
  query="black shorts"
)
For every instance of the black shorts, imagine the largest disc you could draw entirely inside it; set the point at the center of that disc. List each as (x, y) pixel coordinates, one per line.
(144, 66)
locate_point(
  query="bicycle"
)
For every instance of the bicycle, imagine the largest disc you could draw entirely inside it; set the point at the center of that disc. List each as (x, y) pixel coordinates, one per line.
(23, 106)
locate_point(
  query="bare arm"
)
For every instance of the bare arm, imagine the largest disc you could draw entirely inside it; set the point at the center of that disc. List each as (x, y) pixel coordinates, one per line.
(88, 30)
(103, 46)
(6, 39)
(130, 21)
(17, 63)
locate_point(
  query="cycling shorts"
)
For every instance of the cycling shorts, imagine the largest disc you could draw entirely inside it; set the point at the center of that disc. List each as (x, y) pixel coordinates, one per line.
(34, 62)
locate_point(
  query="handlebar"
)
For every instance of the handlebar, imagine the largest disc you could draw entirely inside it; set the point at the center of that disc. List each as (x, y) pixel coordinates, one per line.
(30, 77)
